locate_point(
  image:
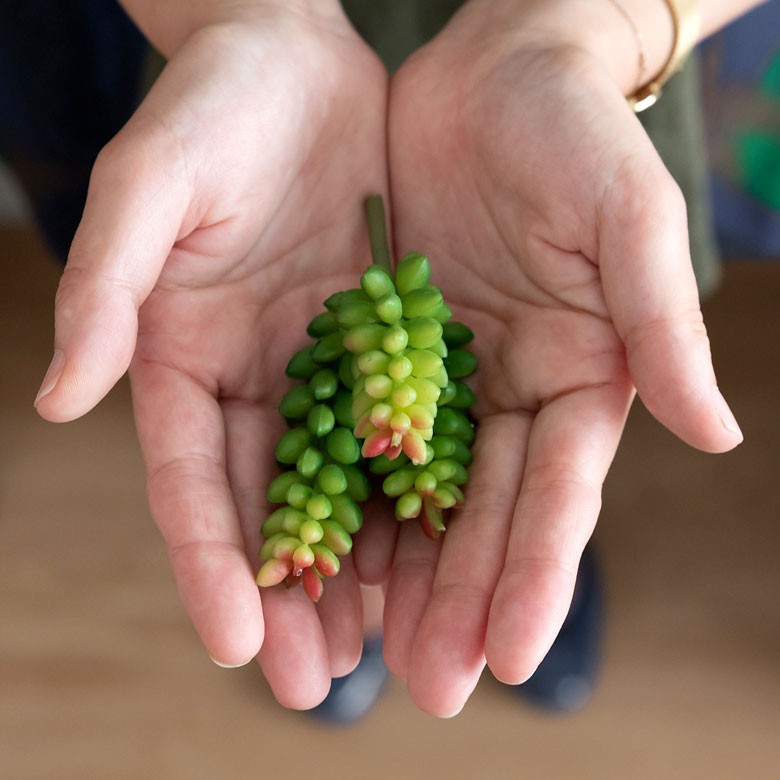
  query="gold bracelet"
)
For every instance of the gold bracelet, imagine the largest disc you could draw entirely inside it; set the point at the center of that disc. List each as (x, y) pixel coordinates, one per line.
(640, 44)
(686, 19)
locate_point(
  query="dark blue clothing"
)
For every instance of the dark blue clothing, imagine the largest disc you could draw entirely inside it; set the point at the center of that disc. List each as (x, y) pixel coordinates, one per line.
(70, 76)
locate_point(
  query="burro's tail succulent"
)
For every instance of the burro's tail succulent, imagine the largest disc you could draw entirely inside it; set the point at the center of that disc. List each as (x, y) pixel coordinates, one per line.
(381, 394)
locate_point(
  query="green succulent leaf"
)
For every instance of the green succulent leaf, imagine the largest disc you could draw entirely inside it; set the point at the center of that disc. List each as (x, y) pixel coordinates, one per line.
(332, 479)
(291, 445)
(342, 446)
(322, 325)
(297, 402)
(320, 420)
(276, 492)
(324, 384)
(377, 282)
(424, 332)
(346, 512)
(456, 334)
(329, 348)
(335, 537)
(419, 303)
(382, 394)
(302, 364)
(412, 273)
(460, 363)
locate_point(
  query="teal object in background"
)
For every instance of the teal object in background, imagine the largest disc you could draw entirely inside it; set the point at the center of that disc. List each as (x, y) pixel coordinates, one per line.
(758, 164)
(741, 96)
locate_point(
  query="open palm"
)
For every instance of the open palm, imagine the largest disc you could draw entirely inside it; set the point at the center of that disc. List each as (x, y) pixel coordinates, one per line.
(558, 236)
(226, 210)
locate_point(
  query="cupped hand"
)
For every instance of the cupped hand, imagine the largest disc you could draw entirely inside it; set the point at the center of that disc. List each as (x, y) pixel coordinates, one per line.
(217, 221)
(557, 234)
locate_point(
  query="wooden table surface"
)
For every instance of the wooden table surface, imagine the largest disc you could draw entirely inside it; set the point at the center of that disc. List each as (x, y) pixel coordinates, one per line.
(101, 675)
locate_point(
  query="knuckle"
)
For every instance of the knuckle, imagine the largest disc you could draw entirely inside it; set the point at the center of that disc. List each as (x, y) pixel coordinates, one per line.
(493, 501)
(66, 299)
(462, 598)
(417, 570)
(642, 194)
(686, 320)
(534, 567)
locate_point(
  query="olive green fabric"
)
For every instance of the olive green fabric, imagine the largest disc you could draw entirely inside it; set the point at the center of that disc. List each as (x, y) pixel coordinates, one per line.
(676, 126)
(396, 28)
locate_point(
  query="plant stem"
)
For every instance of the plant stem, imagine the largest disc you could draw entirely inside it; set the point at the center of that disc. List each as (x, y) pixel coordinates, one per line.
(377, 231)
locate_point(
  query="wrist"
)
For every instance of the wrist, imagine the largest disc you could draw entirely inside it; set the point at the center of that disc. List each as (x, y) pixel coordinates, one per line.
(606, 30)
(638, 44)
(167, 24)
(686, 29)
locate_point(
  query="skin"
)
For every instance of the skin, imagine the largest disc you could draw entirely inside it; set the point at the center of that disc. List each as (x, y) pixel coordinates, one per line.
(557, 234)
(225, 212)
(216, 223)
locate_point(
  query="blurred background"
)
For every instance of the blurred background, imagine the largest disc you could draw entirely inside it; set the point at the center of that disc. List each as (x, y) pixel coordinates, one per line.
(101, 675)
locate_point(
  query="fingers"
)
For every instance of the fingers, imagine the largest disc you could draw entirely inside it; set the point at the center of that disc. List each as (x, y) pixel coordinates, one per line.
(294, 656)
(572, 444)
(408, 591)
(249, 428)
(374, 544)
(340, 611)
(445, 649)
(137, 199)
(651, 293)
(182, 435)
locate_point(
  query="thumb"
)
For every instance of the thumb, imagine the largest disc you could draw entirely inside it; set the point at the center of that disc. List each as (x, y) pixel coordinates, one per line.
(135, 207)
(652, 296)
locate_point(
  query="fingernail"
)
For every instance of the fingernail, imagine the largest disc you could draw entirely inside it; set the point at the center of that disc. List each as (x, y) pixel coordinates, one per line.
(229, 666)
(728, 420)
(453, 714)
(52, 375)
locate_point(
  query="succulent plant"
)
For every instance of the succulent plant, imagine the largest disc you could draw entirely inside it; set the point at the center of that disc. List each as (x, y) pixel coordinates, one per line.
(384, 369)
